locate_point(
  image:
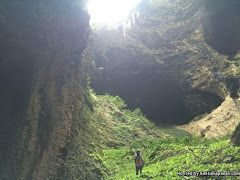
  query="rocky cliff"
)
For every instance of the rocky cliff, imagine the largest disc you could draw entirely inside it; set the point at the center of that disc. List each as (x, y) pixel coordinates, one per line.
(171, 62)
(45, 107)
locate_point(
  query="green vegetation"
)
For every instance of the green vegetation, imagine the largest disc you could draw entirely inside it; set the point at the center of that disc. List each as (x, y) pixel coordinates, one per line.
(119, 126)
(165, 157)
(168, 150)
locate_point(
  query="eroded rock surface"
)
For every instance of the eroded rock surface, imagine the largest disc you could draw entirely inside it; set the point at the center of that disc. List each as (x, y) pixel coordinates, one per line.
(45, 111)
(235, 139)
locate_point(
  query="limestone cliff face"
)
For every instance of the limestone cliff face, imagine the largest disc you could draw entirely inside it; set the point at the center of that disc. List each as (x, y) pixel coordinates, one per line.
(45, 107)
(235, 138)
(166, 63)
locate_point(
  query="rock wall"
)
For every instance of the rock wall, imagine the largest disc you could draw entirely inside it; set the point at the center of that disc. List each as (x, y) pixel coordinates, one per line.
(164, 64)
(224, 24)
(45, 106)
(235, 136)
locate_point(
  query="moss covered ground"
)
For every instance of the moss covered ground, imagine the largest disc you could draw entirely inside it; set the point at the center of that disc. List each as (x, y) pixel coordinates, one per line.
(169, 152)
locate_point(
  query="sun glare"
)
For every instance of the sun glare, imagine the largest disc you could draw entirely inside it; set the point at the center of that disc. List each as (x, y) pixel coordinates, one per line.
(110, 12)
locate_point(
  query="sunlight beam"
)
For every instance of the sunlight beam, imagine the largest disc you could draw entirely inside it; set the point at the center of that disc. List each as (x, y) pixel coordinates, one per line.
(110, 12)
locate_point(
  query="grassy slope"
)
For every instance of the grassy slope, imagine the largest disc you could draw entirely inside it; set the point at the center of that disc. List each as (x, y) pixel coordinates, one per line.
(168, 150)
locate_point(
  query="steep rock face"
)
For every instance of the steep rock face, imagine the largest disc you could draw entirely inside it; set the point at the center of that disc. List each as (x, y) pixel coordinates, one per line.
(45, 107)
(222, 32)
(163, 64)
(235, 139)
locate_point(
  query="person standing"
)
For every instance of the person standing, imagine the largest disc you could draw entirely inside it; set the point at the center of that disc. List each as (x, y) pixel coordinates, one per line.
(139, 163)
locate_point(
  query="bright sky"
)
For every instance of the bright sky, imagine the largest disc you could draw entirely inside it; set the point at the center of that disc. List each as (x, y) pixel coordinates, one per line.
(110, 12)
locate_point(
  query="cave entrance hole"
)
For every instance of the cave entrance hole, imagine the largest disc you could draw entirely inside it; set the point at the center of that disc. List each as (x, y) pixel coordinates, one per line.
(162, 101)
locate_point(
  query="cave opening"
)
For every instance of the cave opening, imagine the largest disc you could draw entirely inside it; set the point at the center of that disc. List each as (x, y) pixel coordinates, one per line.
(110, 13)
(162, 101)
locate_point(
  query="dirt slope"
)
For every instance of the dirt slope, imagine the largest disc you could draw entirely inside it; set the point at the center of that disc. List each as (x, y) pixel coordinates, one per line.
(220, 121)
